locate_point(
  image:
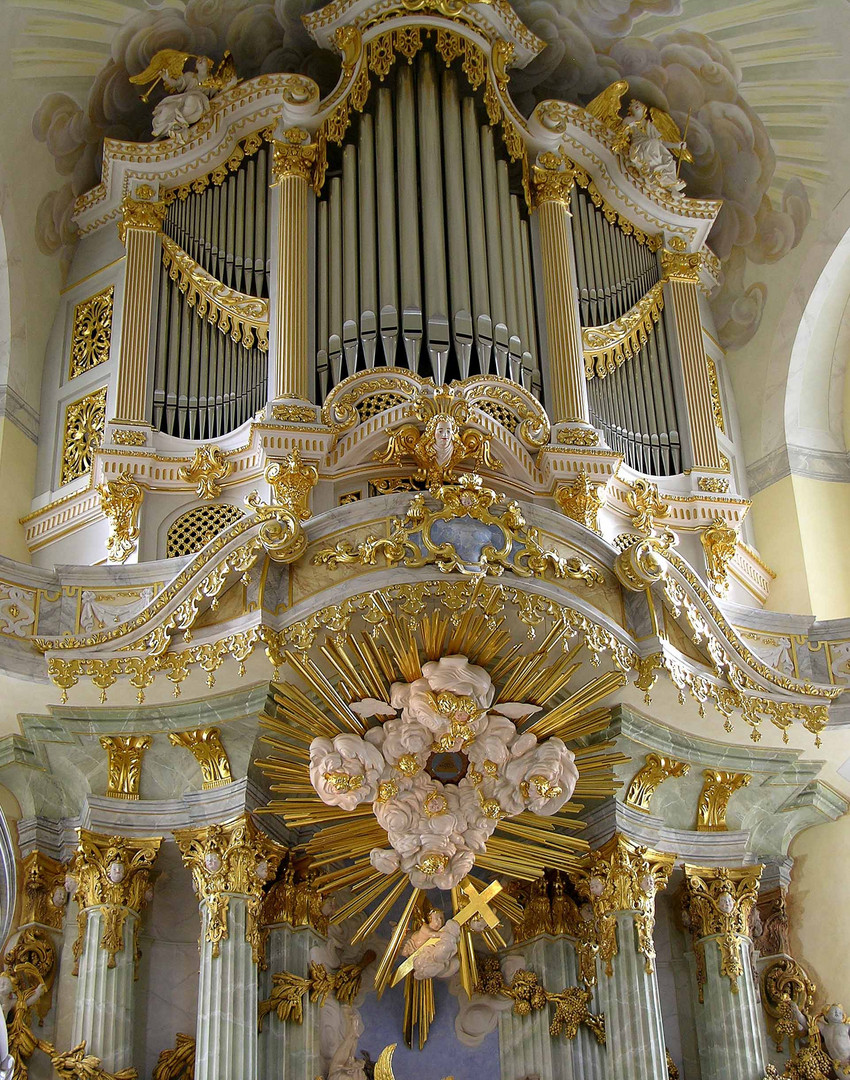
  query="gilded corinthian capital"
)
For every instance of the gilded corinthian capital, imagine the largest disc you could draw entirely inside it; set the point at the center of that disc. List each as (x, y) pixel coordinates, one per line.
(717, 904)
(552, 179)
(234, 859)
(144, 214)
(296, 156)
(113, 873)
(624, 878)
(44, 896)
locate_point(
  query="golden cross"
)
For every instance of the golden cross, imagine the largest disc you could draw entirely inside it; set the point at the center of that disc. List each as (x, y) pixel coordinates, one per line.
(478, 903)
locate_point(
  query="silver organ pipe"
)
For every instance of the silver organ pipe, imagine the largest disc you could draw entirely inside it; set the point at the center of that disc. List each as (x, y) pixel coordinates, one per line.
(205, 382)
(635, 405)
(435, 271)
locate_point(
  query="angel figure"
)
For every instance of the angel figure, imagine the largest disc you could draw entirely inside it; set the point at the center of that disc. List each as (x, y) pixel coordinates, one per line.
(443, 445)
(835, 1033)
(648, 138)
(189, 92)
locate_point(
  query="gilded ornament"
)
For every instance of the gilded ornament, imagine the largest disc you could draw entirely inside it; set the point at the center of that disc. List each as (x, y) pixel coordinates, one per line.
(552, 179)
(718, 902)
(177, 1063)
(647, 504)
(608, 347)
(188, 93)
(85, 420)
(289, 991)
(715, 485)
(578, 436)
(642, 563)
(128, 437)
(32, 958)
(206, 747)
(770, 923)
(120, 501)
(714, 387)
(76, 1064)
(295, 157)
(294, 414)
(125, 764)
(112, 873)
(206, 469)
(717, 789)
(91, 332)
(444, 444)
(581, 499)
(415, 539)
(235, 859)
(719, 542)
(43, 891)
(142, 215)
(291, 481)
(681, 266)
(672, 1069)
(349, 41)
(622, 877)
(650, 776)
(245, 318)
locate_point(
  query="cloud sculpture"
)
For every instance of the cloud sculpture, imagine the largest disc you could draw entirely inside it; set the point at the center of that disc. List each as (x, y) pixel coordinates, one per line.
(436, 829)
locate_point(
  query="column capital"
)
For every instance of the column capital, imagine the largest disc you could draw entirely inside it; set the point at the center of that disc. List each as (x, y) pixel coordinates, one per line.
(125, 762)
(296, 156)
(207, 749)
(145, 212)
(679, 264)
(717, 904)
(231, 859)
(552, 179)
(44, 893)
(112, 873)
(622, 877)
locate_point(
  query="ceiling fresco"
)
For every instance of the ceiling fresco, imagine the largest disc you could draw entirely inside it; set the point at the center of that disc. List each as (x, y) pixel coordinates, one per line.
(756, 82)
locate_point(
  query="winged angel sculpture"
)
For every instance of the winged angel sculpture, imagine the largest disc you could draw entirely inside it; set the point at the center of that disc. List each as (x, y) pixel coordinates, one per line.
(648, 138)
(189, 92)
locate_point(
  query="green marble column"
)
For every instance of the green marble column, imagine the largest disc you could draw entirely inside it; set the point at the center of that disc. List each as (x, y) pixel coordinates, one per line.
(289, 1051)
(621, 882)
(230, 865)
(112, 877)
(729, 1018)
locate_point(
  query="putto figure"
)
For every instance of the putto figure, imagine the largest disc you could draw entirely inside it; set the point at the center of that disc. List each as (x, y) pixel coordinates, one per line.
(189, 92)
(649, 139)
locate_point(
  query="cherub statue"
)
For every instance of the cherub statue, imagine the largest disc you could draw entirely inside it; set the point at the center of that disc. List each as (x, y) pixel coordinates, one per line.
(189, 92)
(434, 947)
(835, 1032)
(648, 138)
(445, 442)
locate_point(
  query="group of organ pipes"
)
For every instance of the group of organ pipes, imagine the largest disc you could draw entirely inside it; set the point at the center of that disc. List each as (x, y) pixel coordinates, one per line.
(423, 255)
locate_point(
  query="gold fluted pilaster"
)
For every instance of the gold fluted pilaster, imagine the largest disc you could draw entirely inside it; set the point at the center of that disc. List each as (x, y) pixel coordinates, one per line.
(293, 167)
(552, 181)
(139, 228)
(717, 905)
(681, 269)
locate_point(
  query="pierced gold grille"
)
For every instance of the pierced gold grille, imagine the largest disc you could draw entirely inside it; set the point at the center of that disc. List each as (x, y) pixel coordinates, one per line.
(501, 413)
(91, 333)
(194, 529)
(375, 403)
(84, 423)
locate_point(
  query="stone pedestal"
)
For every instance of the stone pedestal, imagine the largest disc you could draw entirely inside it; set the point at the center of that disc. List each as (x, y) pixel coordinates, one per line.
(289, 1051)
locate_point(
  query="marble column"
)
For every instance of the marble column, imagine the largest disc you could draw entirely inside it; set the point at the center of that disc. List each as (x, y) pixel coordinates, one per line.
(621, 882)
(293, 169)
(552, 183)
(525, 1044)
(112, 879)
(142, 216)
(289, 1051)
(730, 1024)
(681, 269)
(230, 865)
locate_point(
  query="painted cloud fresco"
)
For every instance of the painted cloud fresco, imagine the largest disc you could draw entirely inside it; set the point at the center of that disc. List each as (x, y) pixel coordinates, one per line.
(591, 43)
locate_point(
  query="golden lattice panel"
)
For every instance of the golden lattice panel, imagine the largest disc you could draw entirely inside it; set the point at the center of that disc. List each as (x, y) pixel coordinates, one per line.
(499, 412)
(91, 333)
(84, 423)
(194, 529)
(376, 403)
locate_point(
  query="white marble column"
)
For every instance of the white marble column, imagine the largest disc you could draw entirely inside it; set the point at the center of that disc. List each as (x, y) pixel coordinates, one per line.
(289, 1051)
(729, 1018)
(230, 864)
(112, 877)
(621, 882)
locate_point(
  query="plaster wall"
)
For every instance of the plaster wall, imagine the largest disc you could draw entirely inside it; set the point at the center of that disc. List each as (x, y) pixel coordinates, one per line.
(17, 470)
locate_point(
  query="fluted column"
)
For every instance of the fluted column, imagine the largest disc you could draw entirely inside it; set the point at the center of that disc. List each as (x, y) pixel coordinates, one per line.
(230, 864)
(681, 269)
(552, 182)
(112, 877)
(730, 1032)
(293, 168)
(143, 213)
(621, 883)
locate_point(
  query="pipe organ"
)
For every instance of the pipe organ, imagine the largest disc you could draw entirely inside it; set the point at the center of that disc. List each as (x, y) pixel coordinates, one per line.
(423, 253)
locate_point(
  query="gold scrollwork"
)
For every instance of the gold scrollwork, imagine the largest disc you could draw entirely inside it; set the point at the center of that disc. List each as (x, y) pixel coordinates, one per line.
(141, 214)
(91, 333)
(178, 1062)
(125, 764)
(714, 387)
(650, 776)
(245, 318)
(717, 789)
(85, 420)
(719, 542)
(608, 347)
(207, 749)
(718, 902)
(206, 469)
(512, 544)
(120, 501)
(582, 499)
(291, 481)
